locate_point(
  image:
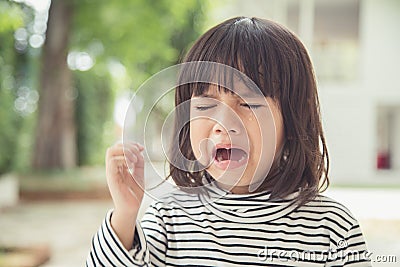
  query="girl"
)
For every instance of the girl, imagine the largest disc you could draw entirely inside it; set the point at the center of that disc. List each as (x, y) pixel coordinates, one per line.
(250, 210)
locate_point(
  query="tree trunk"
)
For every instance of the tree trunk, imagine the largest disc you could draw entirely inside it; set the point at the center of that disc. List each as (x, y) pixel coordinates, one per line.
(55, 146)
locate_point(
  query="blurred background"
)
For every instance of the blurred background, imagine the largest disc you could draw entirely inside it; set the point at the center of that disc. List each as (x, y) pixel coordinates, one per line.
(69, 68)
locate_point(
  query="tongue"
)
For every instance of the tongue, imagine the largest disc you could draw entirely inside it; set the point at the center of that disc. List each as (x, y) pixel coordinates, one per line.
(230, 154)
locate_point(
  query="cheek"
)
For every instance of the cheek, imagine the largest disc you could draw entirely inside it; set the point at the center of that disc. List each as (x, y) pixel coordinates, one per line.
(196, 137)
(263, 136)
(256, 141)
(278, 124)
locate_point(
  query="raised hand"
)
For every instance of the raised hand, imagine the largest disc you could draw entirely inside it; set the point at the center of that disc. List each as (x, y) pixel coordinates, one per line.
(125, 179)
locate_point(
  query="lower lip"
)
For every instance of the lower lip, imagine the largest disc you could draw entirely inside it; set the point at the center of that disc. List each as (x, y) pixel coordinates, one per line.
(229, 165)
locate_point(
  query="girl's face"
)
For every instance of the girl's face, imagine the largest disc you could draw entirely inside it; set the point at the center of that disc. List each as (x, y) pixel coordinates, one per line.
(236, 135)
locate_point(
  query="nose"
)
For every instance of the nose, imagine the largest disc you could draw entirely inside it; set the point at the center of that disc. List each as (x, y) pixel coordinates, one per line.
(227, 122)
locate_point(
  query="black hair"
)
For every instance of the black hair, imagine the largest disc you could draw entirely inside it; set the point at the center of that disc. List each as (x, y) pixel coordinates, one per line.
(275, 59)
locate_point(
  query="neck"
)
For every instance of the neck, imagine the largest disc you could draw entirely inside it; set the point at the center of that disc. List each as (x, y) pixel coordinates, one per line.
(236, 189)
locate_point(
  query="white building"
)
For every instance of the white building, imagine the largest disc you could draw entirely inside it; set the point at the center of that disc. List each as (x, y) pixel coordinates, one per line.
(355, 47)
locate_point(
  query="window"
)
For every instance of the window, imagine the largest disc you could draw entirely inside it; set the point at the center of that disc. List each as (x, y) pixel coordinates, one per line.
(335, 36)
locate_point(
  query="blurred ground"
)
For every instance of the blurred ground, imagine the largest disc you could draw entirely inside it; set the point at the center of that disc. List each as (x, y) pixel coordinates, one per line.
(379, 216)
(67, 226)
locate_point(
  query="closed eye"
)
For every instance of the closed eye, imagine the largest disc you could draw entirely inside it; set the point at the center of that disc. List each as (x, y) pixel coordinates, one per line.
(251, 106)
(204, 107)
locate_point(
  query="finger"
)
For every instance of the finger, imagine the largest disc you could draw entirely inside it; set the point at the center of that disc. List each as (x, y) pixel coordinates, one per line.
(119, 166)
(134, 144)
(136, 150)
(114, 151)
(118, 146)
(141, 148)
(116, 164)
(137, 176)
(124, 161)
(120, 143)
(130, 156)
(131, 163)
(119, 150)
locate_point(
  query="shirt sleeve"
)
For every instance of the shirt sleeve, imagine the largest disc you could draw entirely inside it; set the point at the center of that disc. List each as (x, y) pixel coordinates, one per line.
(351, 250)
(154, 228)
(107, 249)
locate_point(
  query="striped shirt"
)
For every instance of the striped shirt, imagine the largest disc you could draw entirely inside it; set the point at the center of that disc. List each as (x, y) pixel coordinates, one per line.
(236, 230)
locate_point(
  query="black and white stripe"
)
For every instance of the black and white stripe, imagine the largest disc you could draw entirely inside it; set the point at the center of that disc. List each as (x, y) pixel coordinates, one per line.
(235, 230)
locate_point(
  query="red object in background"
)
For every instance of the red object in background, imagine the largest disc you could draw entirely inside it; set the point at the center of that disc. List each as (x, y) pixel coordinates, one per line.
(383, 160)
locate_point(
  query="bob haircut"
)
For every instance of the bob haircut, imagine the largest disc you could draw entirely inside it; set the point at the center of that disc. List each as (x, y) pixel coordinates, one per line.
(278, 63)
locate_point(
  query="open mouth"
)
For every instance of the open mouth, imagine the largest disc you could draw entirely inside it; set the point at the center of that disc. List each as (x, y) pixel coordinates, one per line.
(230, 158)
(235, 154)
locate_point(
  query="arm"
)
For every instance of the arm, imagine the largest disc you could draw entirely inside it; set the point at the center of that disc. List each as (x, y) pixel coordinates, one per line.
(125, 179)
(148, 248)
(108, 250)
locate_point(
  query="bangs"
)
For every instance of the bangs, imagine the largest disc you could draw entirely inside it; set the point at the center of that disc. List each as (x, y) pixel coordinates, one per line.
(199, 77)
(243, 45)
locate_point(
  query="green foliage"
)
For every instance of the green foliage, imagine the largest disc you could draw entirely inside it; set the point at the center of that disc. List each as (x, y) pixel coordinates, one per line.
(8, 126)
(93, 110)
(142, 36)
(145, 36)
(11, 17)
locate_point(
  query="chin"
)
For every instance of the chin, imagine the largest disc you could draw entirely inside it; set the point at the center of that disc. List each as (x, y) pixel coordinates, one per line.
(229, 174)
(229, 181)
